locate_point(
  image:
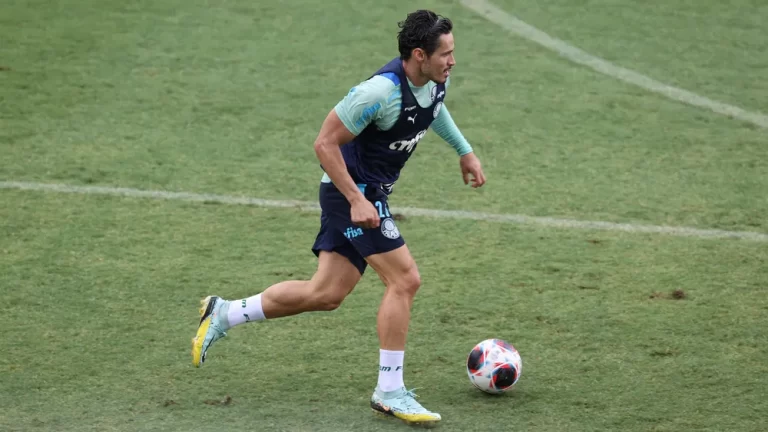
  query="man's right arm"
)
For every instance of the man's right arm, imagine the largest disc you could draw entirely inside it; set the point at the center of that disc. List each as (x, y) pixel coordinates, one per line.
(362, 106)
(333, 134)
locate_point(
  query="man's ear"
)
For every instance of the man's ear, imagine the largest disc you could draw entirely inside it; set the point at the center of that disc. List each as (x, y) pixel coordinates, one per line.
(419, 54)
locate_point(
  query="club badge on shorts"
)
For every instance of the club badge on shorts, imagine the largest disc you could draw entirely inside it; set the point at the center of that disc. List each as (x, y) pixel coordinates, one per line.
(389, 229)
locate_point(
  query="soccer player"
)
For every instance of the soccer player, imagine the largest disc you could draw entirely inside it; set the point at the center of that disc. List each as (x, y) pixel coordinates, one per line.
(362, 145)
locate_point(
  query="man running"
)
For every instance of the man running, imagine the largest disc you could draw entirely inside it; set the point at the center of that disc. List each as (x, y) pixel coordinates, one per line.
(362, 145)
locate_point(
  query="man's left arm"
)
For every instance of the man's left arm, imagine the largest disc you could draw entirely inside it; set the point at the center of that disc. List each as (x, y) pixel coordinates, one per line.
(446, 128)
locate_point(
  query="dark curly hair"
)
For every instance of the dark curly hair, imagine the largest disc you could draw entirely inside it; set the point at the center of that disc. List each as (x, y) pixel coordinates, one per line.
(421, 29)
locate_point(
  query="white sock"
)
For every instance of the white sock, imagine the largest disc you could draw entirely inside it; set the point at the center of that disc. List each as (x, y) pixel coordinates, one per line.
(390, 370)
(245, 310)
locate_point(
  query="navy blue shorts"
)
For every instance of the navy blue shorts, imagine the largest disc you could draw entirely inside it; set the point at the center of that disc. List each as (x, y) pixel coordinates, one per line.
(339, 234)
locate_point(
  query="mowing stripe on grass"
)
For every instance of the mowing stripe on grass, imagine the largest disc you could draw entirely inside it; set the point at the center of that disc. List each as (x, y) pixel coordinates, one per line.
(498, 16)
(406, 211)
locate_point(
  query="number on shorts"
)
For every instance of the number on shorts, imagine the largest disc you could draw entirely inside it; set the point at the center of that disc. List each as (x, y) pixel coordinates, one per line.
(383, 210)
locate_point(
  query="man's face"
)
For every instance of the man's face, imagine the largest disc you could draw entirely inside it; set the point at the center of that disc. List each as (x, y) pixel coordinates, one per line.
(437, 67)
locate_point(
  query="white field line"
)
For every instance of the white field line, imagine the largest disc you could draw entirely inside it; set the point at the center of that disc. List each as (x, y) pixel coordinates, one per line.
(406, 211)
(495, 15)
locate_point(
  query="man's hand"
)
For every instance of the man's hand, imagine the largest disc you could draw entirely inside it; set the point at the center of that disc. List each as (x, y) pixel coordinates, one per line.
(470, 165)
(364, 214)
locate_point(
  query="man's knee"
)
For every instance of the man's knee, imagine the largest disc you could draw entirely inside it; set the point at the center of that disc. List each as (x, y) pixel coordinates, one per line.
(408, 282)
(335, 278)
(328, 298)
(398, 271)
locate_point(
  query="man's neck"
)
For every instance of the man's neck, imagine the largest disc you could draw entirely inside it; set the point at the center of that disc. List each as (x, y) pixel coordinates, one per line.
(413, 73)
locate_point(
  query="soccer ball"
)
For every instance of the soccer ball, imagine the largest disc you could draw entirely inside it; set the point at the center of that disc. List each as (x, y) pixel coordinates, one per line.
(494, 366)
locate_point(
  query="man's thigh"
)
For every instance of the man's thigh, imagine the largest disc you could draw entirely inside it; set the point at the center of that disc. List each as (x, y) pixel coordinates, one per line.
(336, 272)
(395, 267)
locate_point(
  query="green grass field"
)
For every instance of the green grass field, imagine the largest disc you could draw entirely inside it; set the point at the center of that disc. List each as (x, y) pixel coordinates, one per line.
(226, 97)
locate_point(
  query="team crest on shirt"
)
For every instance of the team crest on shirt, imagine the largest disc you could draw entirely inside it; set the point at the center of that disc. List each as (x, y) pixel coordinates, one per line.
(389, 229)
(436, 111)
